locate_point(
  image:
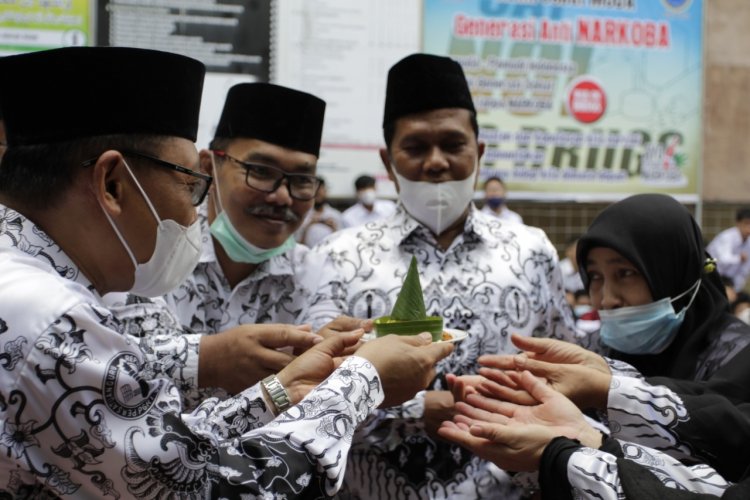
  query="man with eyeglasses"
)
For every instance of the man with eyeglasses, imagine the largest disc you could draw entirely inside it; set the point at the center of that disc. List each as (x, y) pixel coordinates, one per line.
(98, 190)
(251, 271)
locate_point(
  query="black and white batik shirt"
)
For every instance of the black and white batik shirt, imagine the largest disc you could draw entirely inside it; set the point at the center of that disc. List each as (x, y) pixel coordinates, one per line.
(494, 280)
(87, 411)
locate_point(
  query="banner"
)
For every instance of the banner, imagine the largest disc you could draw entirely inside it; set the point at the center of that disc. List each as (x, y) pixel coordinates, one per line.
(580, 98)
(29, 25)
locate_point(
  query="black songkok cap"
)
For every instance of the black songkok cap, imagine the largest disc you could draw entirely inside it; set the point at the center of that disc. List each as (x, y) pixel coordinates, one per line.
(271, 113)
(76, 92)
(423, 82)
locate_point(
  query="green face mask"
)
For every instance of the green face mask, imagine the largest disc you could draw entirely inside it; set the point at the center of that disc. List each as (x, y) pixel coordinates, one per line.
(234, 244)
(238, 248)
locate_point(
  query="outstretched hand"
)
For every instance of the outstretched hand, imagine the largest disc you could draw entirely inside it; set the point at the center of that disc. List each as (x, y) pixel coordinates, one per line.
(581, 375)
(514, 436)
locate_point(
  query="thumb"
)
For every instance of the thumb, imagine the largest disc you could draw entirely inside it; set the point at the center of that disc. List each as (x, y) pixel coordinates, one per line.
(286, 335)
(335, 345)
(438, 350)
(536, 387)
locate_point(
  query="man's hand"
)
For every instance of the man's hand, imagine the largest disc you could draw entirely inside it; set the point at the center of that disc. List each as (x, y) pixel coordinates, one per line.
(405, 363)
(242, 356)
(345, 324)
(514, 436)
(438, 407)
(312, 367)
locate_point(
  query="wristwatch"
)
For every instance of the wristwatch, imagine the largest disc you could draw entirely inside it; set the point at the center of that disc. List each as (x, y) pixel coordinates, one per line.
(277, 393)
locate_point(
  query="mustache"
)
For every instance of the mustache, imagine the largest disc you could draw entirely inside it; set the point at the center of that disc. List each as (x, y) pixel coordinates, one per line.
(284, 213)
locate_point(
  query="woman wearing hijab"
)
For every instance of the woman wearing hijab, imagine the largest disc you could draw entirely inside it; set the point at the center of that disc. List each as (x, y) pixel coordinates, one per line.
(664, 312)
(682, 327)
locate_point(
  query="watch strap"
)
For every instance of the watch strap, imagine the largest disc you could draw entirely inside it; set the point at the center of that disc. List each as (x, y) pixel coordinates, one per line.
(277, 393)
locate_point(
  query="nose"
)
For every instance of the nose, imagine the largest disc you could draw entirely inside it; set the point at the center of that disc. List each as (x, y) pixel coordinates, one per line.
(436, 161)
(281, 196)
(610, 297)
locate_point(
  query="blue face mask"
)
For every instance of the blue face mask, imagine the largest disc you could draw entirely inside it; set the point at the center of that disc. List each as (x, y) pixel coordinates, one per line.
(581, 309)
(645, 329)
(495, 202)
(234, 244)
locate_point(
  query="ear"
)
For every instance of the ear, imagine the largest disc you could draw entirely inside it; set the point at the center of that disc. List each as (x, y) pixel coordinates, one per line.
(480, 152)
(206, 165)
(107, 182)
(385, 157)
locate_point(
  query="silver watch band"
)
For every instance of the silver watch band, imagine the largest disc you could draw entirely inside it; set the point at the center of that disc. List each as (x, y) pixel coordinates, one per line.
(279, 396)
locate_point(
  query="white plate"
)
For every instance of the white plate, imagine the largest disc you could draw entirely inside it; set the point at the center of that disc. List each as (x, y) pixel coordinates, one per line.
(458, 335)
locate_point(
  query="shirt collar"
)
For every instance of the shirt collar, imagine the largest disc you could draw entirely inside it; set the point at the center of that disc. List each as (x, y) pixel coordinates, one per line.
(23, 236)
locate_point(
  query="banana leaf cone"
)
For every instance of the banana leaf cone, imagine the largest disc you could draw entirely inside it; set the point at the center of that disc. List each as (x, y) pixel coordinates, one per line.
(408, 316)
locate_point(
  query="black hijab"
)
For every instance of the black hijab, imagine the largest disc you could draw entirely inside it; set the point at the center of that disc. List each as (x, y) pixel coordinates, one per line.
(660, 237)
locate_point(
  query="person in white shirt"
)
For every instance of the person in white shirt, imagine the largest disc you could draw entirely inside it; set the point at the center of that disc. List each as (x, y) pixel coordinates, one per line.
(368, 207)
(731, 249)
(321, 221)
(495, 198)
(479, 273)
(98, 189)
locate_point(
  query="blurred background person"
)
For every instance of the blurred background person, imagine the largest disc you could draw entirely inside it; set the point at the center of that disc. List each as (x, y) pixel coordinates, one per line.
(321, 221)
(494, 201)
(569, 267)
(368, 207)
(731, 249)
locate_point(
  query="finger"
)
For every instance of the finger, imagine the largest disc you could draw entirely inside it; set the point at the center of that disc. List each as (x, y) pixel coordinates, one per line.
(476, 413)
(344, 324)
(421, 339)
(286, 335)
(460, 436)
(495, 433)
(499, 376)
(533, 344)
(538, 368)
(498, 361)
(338, 345)
(450, 378)
(495, 391)
(537, 388)
(437, 350)
(274, 360)
(492, 405)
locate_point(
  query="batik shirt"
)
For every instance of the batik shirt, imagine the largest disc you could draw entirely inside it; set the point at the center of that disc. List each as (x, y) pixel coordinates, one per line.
(495, 279)
(596, 474)
(88, 411)
(288, 288)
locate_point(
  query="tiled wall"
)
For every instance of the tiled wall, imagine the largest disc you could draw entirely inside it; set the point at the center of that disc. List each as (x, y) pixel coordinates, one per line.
(562, 221)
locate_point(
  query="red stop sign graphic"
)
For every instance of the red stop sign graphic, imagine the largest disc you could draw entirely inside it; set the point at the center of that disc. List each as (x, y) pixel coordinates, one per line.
(586, 100)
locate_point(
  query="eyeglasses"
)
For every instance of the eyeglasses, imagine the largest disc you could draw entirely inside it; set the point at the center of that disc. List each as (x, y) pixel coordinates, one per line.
(302, 187)
(198, 190)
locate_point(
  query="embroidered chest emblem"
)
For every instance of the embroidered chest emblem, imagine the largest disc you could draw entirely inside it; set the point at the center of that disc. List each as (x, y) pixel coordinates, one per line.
(126, 391)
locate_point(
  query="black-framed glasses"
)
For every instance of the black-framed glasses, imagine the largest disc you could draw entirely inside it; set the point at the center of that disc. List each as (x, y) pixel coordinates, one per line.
(198, 190)
(302, 187)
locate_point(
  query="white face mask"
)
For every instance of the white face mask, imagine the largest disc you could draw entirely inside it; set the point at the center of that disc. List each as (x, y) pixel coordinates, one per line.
(437, 205)
(367, 197)
(177, 251)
